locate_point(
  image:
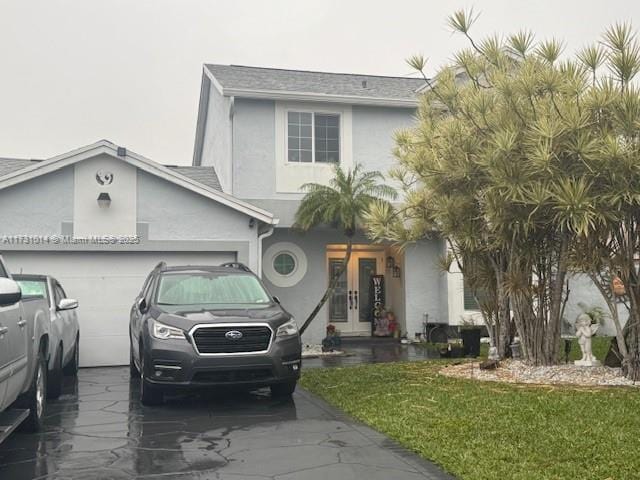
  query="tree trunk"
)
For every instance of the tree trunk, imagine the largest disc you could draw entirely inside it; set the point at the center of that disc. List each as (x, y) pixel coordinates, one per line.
(613, 310)
(333, 282)
(632, 337)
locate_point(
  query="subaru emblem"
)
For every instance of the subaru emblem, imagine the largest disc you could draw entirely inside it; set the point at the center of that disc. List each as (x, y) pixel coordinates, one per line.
(233, 335)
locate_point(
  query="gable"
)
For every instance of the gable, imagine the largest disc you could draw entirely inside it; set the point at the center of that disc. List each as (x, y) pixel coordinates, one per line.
(104, 149)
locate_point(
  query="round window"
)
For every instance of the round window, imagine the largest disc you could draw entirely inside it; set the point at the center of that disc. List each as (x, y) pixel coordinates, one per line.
(284, 263)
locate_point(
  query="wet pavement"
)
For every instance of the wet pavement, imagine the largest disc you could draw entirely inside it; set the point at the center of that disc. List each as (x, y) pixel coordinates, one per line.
(373, 351)
(99, 430)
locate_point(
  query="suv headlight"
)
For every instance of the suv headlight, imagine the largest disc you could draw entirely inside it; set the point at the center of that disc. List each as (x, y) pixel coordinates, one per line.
(164, 332)
(287, 329)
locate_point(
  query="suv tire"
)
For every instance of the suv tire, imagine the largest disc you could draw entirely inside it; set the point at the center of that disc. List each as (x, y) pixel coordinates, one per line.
(281, 390)
(150, 395)
(133, 370)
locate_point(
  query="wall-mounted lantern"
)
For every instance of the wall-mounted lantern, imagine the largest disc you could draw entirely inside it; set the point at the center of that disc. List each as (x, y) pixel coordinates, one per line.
(104, 200)
(390, 263)
(396, 271)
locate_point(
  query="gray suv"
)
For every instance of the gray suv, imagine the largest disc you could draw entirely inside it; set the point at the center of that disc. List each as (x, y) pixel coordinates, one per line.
(205, 326)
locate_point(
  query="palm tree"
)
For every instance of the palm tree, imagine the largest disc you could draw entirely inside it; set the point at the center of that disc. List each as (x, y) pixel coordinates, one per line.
(342, 205)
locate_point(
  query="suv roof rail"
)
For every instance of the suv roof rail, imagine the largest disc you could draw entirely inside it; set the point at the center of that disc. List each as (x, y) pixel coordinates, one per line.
(238, 265)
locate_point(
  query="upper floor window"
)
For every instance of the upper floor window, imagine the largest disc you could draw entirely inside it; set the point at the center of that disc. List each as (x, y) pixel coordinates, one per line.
(313, 137)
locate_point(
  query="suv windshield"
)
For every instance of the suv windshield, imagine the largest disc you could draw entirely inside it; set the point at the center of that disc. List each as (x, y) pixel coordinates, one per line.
(210, 288)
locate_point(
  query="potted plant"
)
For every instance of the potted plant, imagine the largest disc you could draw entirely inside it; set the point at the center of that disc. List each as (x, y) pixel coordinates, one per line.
(470, 334)
(332, 341)
(393, 326)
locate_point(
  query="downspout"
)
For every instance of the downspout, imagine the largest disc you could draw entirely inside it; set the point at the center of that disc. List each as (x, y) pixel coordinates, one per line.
(261, 236)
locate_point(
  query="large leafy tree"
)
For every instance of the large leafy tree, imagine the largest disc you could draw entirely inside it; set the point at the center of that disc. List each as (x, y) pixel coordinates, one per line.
(341, 204)
(506, 162)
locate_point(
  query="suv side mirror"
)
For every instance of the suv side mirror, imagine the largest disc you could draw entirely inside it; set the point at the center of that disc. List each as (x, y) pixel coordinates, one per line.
(10, 292)
(142, 305)
(67, 304)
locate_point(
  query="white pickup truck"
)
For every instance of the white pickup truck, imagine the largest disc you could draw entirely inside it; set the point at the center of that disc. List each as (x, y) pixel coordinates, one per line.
(24, 353)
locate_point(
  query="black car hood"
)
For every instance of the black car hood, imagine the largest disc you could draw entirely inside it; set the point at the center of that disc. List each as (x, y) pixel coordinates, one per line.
(188, 317)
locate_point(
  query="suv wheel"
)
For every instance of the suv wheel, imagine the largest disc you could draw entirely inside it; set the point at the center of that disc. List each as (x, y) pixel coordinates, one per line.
(35, 399)
(150, 395)
(281, 390)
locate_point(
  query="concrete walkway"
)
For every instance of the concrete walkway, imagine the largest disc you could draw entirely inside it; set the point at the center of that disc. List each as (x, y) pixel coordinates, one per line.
(98, 430)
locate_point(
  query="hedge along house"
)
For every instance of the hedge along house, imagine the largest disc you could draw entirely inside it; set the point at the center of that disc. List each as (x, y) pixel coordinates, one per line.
(269, 131)
(101, 217)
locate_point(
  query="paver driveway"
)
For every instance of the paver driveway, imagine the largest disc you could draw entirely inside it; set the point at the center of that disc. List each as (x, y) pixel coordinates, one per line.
(98, 430)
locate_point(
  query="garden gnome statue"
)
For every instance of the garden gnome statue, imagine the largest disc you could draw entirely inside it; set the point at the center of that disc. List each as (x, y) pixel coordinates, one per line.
(584, 331)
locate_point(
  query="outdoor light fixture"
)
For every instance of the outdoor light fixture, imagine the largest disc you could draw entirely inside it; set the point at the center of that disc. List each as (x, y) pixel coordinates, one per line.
(252, 222)
(104, 200)
(396, 271)
(390, 262)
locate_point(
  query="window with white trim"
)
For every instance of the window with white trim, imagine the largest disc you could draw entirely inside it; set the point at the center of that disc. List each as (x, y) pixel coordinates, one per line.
(313, 137)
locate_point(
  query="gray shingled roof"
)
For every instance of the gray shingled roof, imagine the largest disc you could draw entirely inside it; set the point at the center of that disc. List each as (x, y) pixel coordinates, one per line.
(300, 81)
(204, 175)
(9, 165)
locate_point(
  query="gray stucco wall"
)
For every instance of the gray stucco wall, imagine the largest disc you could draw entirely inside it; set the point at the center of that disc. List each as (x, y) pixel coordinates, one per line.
(373, 134)
(300, 299)
(174, 213)
(254, 149)
(38, 206)
(216, 146)
(254, 144)
(423, 285)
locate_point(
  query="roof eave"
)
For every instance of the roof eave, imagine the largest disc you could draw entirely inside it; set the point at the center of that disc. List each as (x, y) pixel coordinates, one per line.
(319, 97)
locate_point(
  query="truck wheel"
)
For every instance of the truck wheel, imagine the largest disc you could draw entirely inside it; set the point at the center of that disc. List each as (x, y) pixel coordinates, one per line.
(71, 368)
(133, 370)
(54, 385)
(281, 390)
(35, 399)
(150, 395)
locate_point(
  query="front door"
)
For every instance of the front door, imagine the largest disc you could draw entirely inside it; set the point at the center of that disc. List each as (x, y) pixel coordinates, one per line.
(349, 306)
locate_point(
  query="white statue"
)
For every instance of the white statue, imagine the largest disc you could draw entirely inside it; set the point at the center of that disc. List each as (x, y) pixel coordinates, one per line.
(584, 331)
(493, 353)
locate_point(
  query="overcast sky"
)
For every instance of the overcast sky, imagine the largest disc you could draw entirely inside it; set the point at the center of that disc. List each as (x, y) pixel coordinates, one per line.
(76, 71)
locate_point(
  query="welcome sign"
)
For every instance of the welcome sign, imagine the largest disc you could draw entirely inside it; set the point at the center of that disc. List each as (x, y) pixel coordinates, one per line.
(379, 324)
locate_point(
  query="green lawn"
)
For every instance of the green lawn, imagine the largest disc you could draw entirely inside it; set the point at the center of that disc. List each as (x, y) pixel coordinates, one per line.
(488, 430)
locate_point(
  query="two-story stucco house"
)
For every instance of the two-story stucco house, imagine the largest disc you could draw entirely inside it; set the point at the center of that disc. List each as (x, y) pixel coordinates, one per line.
(267, 132)
(99, 217)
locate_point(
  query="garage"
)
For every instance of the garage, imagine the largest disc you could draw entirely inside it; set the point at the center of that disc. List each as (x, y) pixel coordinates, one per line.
(105, 284)
(100, 218)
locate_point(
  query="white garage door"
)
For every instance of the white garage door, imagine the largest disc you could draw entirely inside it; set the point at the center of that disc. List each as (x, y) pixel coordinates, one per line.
(105, 284)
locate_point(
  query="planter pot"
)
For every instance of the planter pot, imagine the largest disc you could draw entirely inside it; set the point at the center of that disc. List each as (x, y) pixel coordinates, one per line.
(471, 341)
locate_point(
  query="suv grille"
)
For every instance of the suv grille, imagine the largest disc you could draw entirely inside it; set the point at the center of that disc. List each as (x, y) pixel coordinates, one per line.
(215, 339)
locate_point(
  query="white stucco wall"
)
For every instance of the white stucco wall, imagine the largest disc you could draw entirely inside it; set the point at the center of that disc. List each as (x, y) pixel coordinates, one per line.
(217, 143)
(38, 206)
(423, 284)
(120, 217)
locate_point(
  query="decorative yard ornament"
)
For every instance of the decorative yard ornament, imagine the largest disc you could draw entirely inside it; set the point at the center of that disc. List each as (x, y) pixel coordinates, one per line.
(493, 353)
(104, 177)
(584, 331)
(618, 287)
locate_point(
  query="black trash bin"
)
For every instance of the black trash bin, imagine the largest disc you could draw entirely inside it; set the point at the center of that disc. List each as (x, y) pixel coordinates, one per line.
(471, 341)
